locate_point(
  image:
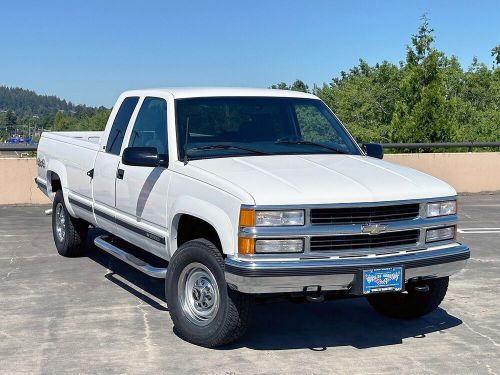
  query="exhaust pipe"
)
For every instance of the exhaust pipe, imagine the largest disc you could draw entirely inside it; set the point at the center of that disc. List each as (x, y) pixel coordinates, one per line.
(48, 212)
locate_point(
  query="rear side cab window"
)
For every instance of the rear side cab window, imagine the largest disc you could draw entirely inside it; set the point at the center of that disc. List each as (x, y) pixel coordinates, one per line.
(120, 123)
(150, 128)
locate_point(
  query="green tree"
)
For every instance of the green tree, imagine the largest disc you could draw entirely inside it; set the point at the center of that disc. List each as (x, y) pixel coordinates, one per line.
(96, 122)
(64, 122)
(10, 118)
(423, 113)
(280, 86)
(363, 98)
(495, 52)
(427, 98)
(478, 108)
(298, 85)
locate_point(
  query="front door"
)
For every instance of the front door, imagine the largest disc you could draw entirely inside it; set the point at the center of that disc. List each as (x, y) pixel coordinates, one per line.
(141, 192)
(106, 166)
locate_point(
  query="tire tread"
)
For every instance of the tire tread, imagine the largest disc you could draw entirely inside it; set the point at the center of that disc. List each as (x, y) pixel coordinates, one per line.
(76, 231)
(238, 312)
(413, 304)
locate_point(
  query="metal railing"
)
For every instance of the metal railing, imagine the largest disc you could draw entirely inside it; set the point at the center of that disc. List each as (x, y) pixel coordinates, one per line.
(17, 147)
(397, 146)
(417, 146)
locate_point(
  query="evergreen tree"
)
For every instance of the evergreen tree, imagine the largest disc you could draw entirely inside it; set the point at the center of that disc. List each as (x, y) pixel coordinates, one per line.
(280, 86)
(427, 98)
(423, 113)
(495, 52)
(10, 118)
(298, 85)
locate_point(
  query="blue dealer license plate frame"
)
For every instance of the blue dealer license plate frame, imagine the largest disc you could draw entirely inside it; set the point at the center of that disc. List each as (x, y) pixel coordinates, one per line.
(383, 280)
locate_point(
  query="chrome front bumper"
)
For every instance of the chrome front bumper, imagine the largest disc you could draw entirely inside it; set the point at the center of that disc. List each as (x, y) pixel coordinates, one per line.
(266, 276)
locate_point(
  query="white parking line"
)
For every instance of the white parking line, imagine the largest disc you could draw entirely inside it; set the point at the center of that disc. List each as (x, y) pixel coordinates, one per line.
(478, 230)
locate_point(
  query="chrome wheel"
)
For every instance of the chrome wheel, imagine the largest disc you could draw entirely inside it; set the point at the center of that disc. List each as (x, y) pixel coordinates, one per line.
(198, 294)
(60, 222)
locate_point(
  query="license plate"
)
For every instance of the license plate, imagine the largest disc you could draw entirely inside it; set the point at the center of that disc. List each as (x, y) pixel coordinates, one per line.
(383, 280)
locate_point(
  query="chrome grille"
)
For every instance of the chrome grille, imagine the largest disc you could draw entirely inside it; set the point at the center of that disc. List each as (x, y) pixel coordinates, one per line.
(364, 215)
(364, 241)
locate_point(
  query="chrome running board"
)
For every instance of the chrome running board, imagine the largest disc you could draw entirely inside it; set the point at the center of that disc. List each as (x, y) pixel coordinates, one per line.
(103, 242)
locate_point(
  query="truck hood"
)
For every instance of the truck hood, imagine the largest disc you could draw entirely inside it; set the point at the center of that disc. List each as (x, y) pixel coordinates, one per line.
(323, 178)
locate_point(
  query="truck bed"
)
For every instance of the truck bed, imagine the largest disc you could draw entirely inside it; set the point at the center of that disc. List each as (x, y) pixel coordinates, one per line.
(90, 139)
(69, 155)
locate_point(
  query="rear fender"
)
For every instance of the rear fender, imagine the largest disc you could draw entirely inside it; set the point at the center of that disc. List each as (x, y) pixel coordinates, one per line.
(55, 167)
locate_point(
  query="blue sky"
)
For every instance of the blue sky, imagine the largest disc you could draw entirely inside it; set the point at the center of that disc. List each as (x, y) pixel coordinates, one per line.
(89, 51)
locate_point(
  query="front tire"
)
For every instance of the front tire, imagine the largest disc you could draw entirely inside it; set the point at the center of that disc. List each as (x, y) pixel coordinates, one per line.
(203, 309)
(69, 233)
(411, 304)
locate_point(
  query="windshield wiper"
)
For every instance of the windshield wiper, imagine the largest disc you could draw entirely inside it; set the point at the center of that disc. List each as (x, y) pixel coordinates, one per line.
(309, 143)
(225, 147)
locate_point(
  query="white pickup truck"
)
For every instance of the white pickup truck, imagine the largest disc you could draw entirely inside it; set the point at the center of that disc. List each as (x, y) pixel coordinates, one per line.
(250, 192)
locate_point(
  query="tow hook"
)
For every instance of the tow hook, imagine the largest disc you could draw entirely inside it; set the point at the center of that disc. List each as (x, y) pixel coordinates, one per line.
(313, 293)
(421, 288)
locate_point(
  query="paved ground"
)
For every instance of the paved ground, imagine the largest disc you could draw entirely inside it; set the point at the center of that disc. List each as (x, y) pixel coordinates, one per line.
(96, 315)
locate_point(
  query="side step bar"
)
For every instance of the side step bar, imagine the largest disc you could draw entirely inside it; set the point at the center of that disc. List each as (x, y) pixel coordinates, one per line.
(102, 242)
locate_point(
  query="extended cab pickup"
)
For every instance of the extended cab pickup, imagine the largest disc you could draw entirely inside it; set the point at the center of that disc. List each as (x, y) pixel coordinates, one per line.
(239, 192)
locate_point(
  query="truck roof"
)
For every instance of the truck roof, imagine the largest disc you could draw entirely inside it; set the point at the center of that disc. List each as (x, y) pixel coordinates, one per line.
(196, 92)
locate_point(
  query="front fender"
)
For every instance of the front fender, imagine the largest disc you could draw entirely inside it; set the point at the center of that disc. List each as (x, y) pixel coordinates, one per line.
(212, 214)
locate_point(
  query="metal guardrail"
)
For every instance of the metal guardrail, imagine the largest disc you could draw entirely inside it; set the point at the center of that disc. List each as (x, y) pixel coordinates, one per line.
(398, 146)
(17, 147)
(415, 146)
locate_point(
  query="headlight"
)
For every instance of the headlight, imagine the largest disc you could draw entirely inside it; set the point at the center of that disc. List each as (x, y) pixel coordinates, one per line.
(251, 218)
(279, 246)
(440, 234)
(441, 208)
(279, 218)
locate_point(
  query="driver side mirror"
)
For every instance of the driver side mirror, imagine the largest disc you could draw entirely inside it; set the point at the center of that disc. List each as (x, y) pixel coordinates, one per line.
(374, 150)
(141, 157)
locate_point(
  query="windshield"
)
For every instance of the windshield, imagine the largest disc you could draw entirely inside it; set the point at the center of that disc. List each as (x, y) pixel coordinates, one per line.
(242, 126)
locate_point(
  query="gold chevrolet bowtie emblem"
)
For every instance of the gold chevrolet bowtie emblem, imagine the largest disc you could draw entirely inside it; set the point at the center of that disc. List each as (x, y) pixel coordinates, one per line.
(374, 228)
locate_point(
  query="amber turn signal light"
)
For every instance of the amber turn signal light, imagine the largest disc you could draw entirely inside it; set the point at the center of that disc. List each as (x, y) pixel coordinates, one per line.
(246, 245)
(247, 218)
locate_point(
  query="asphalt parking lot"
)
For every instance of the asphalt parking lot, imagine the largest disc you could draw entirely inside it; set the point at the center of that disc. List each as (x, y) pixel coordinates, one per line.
(97, 315)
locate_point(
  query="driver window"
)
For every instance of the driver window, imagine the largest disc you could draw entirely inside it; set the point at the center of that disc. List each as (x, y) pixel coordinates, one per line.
(150, 128)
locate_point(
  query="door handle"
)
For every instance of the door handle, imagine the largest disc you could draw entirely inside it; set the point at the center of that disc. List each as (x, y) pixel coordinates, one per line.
(119, 174)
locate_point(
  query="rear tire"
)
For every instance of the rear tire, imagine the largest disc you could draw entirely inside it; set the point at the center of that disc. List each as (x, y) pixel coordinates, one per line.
(411, 304)
(69, 233)
(203, 309)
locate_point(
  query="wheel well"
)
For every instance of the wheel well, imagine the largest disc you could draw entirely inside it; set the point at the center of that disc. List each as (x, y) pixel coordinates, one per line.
(191, 227)
(55, 182)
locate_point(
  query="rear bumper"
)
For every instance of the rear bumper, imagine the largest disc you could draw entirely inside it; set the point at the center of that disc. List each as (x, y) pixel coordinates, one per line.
(250, 276)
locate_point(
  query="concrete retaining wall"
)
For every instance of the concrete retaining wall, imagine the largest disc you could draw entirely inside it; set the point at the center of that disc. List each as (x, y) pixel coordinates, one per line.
(17, 182)
(466, 172)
